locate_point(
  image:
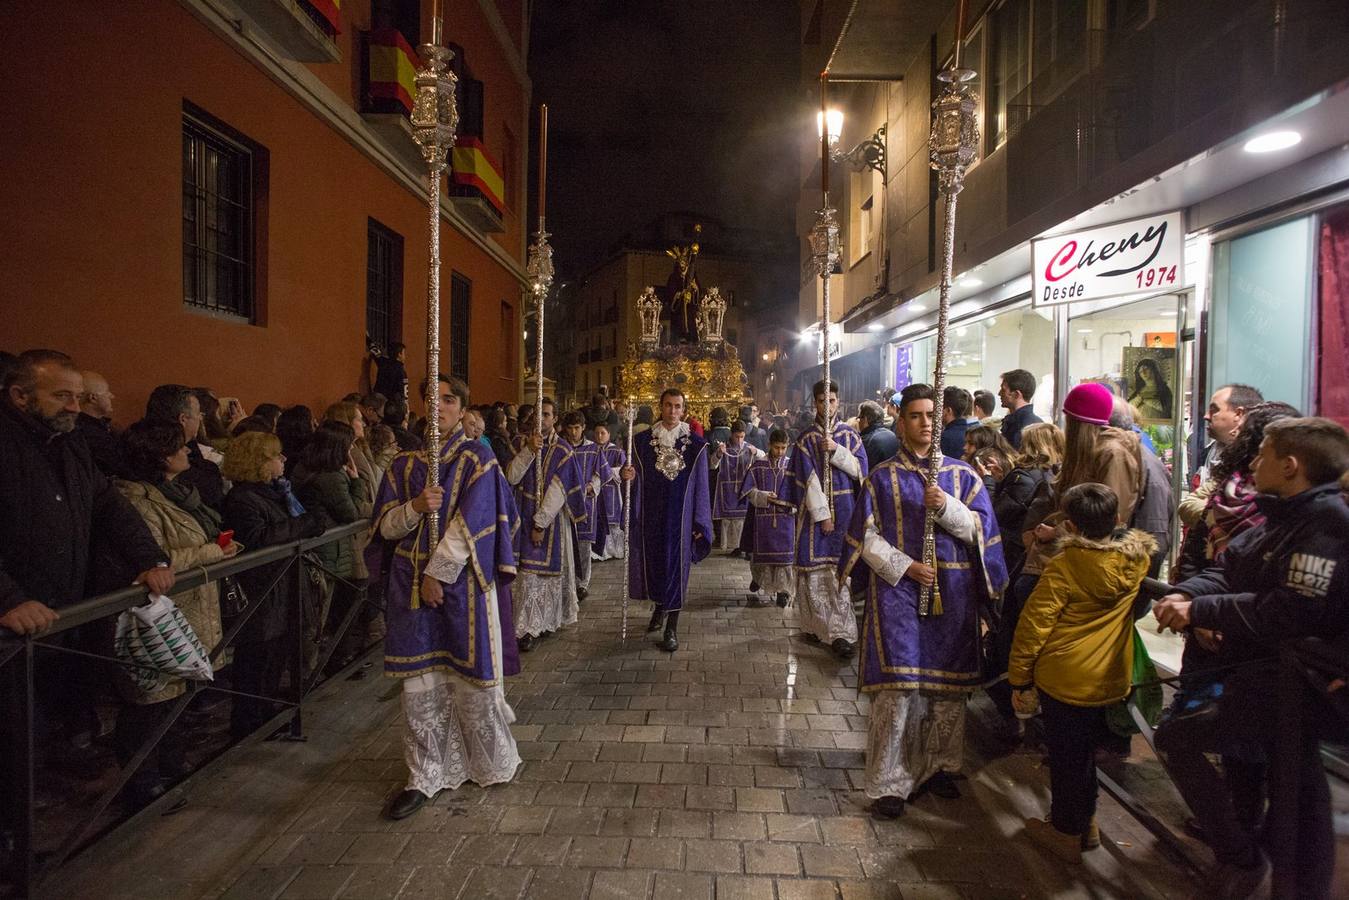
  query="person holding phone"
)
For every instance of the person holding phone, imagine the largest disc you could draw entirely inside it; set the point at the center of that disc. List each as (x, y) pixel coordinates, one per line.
(188, 531)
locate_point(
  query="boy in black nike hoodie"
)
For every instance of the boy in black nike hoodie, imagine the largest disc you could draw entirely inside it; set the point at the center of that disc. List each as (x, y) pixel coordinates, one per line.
(1285, 579)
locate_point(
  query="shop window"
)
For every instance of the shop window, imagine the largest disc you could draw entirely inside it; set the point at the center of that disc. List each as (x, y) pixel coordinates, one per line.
(1260, 324)
(221, 174)
(461, 307)
(383, 285)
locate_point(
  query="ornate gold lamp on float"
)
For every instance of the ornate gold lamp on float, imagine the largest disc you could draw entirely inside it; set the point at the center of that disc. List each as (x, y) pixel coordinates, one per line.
(434, 119)
(952, 145)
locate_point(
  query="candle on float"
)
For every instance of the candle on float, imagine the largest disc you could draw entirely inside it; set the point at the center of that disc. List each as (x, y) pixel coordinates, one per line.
(960, 33)
(436, 24)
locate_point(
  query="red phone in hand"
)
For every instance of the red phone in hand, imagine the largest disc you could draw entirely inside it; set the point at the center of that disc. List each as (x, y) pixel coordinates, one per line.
(225, 538)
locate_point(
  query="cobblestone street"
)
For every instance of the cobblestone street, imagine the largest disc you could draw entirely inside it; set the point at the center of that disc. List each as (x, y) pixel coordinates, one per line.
(730, 770)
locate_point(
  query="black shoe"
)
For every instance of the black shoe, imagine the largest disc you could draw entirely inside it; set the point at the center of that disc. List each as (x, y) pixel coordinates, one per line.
(754, 600)
(581, 594)
(782, 600)
(657, 620)
(809, 638)
(842, 648)
(888, 808)
(670, 643)
(943, 785)
(406, 803)
(753, 586)
(525, 643)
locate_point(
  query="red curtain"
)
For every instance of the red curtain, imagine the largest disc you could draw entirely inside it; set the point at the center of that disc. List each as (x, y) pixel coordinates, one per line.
(1333, 369)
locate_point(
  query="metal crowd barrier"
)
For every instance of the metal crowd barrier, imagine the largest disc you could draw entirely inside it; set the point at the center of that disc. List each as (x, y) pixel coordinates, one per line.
(28, 867)
(1309, 667)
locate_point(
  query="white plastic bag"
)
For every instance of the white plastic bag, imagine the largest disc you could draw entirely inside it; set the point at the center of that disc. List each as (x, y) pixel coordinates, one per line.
(159, 640)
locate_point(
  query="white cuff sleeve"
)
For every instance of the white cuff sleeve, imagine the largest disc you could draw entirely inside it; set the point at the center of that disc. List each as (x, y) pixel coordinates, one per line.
(958, 520)
(552, 505)
(451, 555)
(882, 557)
(844, 460)
(595, 485)
(759, 499)
(519, 466)
(398, 522)
(817, 504)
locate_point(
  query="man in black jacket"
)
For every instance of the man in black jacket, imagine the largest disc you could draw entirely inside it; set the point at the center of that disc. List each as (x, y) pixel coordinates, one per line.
(94, 424)
(1285, 579)
(879, 442)
(754, 435)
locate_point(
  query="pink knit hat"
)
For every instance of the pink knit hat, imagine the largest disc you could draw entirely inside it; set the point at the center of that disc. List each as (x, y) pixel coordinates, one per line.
(1090, 403)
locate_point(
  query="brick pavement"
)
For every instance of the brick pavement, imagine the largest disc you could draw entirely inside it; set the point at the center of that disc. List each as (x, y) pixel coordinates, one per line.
(730, 770)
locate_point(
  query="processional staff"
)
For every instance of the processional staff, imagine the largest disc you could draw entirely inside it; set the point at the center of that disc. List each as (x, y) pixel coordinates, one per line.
(627, 520)
(952, 144)
(434, 119)
(540, 269)
(824, 243)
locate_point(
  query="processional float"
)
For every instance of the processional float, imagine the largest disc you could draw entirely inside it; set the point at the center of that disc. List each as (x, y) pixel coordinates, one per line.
(434, 119)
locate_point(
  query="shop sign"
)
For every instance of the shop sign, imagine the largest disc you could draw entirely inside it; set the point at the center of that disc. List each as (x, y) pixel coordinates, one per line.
(1141, 255)
(835, 351)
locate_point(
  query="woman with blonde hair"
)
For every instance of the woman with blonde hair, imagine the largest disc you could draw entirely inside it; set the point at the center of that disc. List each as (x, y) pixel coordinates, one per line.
(262, 511)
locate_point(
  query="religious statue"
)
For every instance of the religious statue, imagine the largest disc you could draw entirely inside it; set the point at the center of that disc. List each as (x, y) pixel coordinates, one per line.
(682, 292)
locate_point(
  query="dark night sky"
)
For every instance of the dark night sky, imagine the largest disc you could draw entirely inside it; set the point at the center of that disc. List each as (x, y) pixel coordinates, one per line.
(662, 105)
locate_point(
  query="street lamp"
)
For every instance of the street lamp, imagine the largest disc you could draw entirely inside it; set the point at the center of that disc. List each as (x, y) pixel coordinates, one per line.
(834, 119)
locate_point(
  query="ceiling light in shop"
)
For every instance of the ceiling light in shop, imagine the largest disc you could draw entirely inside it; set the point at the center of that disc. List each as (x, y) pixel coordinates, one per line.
(875, 326)
(991, 321)
(1084, 331)
(1274, 140)
(969, 281)
(916, 307)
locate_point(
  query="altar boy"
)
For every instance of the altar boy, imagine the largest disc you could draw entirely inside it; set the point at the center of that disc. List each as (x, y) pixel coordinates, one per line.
(770, 526)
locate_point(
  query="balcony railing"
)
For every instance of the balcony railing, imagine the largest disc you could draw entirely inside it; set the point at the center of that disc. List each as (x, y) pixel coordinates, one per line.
(303, 29)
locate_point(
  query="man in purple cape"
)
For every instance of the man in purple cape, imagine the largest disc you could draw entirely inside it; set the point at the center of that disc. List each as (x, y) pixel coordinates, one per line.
(731, 462)
(824, 606)
(593, 470)
(444, 635)
(919, 668)
(609, 504)
(770, 526)
(545, 599)
(671, 517)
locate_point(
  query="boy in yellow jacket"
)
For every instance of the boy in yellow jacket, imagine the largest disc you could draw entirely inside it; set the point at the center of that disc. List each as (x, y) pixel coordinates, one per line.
(1074, 642)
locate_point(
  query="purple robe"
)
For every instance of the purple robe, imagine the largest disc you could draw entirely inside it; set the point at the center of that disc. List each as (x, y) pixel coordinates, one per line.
(559, 467)
(591, 461)
(770, 532)
(814, 548)
(455, 635)
(729, 502)
(900, 649)
(609, 505)
(665, 514)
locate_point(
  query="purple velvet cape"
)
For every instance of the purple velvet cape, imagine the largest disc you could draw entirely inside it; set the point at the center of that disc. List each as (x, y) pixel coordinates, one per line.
(814, 548)
(609, 505)
(770, 532)
(728, 502)
(900, 649)
(559, 465)
(455, 635)
(665, 514)
(591, 461)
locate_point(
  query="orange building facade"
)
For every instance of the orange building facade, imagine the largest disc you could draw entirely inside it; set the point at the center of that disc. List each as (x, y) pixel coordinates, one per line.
(225, 193)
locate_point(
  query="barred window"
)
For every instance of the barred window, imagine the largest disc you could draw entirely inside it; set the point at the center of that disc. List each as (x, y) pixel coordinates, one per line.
(219, 205)
(383, 286)
(461, 305)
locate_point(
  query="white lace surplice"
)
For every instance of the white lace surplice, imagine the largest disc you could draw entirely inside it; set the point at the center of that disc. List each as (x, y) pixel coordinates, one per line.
(773, 580)
(825, 608)
(911, 736)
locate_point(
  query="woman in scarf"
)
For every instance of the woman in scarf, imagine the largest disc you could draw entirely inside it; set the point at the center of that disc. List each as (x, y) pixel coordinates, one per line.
(187, 530)
(262, 510)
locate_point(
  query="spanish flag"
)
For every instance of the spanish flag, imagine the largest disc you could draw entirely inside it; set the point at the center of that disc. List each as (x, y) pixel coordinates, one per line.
(473, 168)
(393, 68)
(328, 10)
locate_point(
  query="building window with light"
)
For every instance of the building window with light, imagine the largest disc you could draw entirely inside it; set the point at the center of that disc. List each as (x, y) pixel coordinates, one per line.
(222, 171)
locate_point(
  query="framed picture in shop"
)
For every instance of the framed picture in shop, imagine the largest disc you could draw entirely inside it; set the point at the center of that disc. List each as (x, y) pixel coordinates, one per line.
(1150, 383)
